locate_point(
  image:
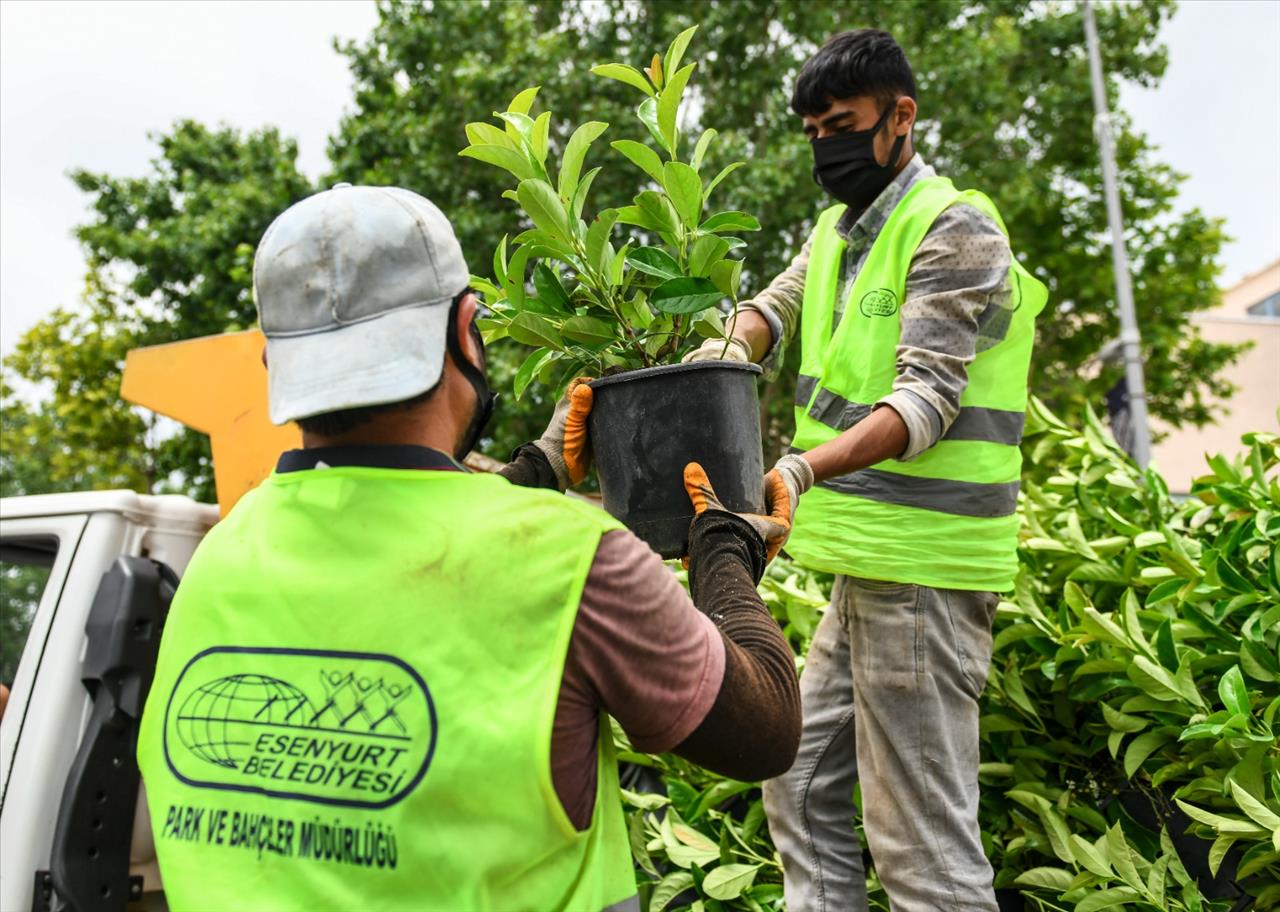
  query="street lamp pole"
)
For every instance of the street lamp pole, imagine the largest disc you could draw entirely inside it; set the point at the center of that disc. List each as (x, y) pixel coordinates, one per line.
(1129, 337)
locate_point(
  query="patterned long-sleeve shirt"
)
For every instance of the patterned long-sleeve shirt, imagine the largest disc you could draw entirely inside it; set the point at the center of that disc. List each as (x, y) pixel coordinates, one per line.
(956, 304)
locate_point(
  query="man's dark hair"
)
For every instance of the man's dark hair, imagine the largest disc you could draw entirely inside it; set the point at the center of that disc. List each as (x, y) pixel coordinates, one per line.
(853, 64)
(342, 421)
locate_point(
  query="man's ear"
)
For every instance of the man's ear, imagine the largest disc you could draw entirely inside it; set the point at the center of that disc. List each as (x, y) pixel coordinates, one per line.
(462, 329)
(904, 117)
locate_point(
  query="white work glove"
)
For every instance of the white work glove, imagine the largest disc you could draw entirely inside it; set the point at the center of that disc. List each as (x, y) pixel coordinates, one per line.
(719, 350)
(797, 477)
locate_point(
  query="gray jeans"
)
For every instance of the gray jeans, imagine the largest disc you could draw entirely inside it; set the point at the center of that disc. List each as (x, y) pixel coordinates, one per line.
(907, 725)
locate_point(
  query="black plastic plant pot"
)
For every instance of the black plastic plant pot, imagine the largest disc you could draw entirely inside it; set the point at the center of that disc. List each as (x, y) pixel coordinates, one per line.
(646, 425)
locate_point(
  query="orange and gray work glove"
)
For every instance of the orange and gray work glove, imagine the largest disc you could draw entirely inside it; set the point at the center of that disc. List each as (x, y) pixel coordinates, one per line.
(797, 477)
(565, 442)
(772, 528)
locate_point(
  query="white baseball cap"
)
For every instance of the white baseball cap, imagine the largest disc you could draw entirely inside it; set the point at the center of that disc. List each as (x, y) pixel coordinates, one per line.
(353, 287)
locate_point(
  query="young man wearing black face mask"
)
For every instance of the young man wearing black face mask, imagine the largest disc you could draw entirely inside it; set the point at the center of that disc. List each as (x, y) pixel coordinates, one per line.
(916, 325)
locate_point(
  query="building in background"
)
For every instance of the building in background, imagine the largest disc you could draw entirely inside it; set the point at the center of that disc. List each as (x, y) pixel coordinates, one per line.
(1249, 312)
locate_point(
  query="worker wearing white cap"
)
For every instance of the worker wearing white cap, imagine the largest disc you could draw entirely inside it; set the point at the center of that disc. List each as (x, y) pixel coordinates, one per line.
(385, 681)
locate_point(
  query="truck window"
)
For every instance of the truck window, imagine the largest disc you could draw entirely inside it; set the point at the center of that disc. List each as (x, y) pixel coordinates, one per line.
(25, 565)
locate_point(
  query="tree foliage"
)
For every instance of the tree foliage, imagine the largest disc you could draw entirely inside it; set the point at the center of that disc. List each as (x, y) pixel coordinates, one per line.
(169, 257)
(1005, 107)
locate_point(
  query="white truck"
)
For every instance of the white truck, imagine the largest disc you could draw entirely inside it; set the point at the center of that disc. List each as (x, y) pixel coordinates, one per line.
(85, 583)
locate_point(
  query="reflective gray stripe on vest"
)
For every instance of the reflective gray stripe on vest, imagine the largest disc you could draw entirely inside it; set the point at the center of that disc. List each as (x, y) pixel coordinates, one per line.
(973, 423)
(626, 905)
(941, 495)
(804, 389)
(987, 424)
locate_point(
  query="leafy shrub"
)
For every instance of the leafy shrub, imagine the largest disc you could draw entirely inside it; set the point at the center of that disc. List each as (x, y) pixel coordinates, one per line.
(596, 308)
(1129, 749)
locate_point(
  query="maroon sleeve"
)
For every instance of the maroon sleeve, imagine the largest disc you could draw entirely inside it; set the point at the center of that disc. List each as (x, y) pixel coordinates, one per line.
(641, 652)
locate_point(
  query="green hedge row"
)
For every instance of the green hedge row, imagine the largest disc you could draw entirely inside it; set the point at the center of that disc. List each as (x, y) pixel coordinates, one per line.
(1130, 755)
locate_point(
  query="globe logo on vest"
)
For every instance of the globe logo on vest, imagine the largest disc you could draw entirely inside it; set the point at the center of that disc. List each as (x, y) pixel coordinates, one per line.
(341, 728)
(879, 303)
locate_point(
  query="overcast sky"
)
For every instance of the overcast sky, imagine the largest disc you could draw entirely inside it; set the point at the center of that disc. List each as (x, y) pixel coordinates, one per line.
(83, 83)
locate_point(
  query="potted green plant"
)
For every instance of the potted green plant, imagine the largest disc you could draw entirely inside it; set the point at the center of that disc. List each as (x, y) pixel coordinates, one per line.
(624, 296)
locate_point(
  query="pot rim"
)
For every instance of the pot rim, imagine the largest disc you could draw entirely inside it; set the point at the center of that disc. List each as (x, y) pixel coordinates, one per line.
(663, 369)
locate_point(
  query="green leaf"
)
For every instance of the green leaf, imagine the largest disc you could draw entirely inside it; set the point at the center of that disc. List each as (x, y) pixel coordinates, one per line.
(659, 211)
(1142, 747)
(700, 150)
(668, 889)
(715, 181)
(599, 251)
(669, 105)
(1218, 851)
(634, 215)
(685, 295)
(675, 53)
(580, 195)
(1220, 823)
(519, 128)
(531, 366)
(549, 289)
(1046, 878)
(647, 801)
(588, 330)
(484, 134)
(730, 221)
(642, 156)
(729, 881)
(710, 324)
(523, 100)
(506, 158)
(1256, 810)
(623, 73)
(575, 152)
(1121, 857)
(513, 284)
(636, 311)
(1122, 722)
(1153, 679)
(544, 207)
(617, 268)
(727, 276)
(1107, 899)
(1232, 578)
(684, 187)
(705, 253)
(540, 139)
(1166, 649)
(648, 114)
(532, 329)
(654, 261)
(1234, 693)
(1088, 857)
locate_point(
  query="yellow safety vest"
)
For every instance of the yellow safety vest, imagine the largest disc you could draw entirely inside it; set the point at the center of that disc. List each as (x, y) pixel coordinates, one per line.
(354, 702)
(945, 519)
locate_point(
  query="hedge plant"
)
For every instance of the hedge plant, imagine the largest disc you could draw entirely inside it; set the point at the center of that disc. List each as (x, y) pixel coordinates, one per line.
(600, 304)
(1129, 730)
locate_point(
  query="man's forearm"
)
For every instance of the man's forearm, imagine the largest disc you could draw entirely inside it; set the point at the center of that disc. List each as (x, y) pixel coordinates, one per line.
(753, 330)
(881, 435)
(752, 731)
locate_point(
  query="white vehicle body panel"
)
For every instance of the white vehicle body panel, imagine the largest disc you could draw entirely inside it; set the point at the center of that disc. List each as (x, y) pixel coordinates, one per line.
(49, 706)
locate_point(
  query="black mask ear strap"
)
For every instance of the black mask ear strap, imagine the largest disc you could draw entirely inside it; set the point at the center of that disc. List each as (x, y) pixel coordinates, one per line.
(485, 400)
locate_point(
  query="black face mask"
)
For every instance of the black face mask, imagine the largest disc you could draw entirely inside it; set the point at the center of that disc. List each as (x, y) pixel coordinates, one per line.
(485, 400)
(845, 165)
